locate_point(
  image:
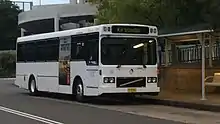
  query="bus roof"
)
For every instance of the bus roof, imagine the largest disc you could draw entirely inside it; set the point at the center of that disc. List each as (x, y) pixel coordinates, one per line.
(83, 30)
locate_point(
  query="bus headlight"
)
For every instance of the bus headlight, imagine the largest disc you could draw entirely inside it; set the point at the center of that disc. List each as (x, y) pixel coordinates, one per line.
(105, 80)
(154, 80)
(148, 79)
(151, 79)
(109, 80)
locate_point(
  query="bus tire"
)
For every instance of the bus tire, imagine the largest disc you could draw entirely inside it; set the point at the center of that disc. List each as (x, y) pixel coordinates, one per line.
(79, 92)
(32, 86)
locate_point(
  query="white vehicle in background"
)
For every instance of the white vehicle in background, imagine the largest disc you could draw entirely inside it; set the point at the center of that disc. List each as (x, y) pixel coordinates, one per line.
(90, 61)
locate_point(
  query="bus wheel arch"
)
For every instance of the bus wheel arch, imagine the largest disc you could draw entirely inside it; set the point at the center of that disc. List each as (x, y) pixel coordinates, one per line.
(32, 86)
(78, 89)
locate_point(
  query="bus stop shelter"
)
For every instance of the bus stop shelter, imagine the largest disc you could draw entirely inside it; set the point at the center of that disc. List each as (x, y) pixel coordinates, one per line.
(201, 33)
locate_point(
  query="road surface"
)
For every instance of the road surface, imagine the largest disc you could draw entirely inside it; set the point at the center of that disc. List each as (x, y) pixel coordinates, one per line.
(16, 106)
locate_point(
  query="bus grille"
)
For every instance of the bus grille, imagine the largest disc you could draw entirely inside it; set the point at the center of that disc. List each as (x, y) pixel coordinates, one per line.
(130, 82)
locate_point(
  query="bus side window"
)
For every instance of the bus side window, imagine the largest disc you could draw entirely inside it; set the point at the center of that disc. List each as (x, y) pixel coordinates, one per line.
(80, 53)
(40, 51)
(92, 53)
(48, 50)
(30, 52)
(77, 46)
(20, 52)
(52, 50)
(92, 48)
(85, 47)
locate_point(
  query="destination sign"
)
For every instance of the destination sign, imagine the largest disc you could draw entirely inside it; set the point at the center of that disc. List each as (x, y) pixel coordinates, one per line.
(130, 29)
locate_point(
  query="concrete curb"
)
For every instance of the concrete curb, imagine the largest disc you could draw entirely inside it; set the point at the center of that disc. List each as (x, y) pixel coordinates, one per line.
(181, 104)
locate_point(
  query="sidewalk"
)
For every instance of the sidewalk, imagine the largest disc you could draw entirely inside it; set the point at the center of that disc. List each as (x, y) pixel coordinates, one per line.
(191, 101)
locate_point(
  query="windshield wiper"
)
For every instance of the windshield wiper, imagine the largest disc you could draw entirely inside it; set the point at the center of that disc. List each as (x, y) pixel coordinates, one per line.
(144, 66)
(122, 58)
(119, 66)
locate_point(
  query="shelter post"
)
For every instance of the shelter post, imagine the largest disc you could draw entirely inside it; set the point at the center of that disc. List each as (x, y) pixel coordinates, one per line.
(167, 47)
(174, 53)
(202, 42)
(211, 42)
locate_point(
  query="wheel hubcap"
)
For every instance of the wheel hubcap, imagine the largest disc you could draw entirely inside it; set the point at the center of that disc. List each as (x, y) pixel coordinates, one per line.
(79, 90)
(32, 86)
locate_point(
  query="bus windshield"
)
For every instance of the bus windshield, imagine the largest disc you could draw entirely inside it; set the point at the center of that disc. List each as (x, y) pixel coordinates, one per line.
(128, 51)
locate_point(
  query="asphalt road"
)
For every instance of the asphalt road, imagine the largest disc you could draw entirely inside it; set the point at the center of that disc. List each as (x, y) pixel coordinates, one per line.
(7, 118)
(16, 106)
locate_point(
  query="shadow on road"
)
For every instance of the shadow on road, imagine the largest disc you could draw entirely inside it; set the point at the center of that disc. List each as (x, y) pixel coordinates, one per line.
(110, 100)
(102, 100)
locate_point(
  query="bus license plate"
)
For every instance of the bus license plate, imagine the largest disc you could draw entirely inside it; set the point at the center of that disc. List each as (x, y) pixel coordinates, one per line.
(132, 90)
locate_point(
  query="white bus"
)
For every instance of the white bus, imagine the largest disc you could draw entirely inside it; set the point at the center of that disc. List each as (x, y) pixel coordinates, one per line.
(90, 61)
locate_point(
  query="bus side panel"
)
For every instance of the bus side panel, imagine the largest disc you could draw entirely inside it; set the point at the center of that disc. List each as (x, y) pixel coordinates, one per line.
(47, 76)
(23, 72)
(89, 78)
(21, 75)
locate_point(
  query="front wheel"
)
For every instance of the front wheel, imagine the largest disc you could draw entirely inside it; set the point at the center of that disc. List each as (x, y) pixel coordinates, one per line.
(79, 91)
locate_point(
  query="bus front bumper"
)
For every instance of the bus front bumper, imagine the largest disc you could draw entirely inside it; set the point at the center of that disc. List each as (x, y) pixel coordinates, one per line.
(144, 90)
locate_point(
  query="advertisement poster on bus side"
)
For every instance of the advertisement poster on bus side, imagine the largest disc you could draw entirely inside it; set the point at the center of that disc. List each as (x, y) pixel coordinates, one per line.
(64, 60)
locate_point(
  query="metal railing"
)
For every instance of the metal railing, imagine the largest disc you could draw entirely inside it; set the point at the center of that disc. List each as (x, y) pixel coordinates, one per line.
(191, 54)
(163, 58)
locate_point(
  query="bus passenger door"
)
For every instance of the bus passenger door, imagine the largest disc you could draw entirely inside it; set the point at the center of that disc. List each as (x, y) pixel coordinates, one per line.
(85, 55)
(92, 69)
(64, 65)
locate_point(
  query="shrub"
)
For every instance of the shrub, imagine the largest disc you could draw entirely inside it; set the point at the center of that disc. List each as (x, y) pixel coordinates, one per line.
(7, 64)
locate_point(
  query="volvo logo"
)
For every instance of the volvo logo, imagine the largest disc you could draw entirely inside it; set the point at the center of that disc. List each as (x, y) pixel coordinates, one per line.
(131, 71)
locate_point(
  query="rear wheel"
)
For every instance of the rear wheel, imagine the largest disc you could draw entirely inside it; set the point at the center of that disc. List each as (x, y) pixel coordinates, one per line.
(32, 87)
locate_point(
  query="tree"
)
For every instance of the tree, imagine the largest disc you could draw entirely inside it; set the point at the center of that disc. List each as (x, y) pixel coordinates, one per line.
(115, 11)
(9, 30)
(7, 64)
(162, 13)
(210, 9)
